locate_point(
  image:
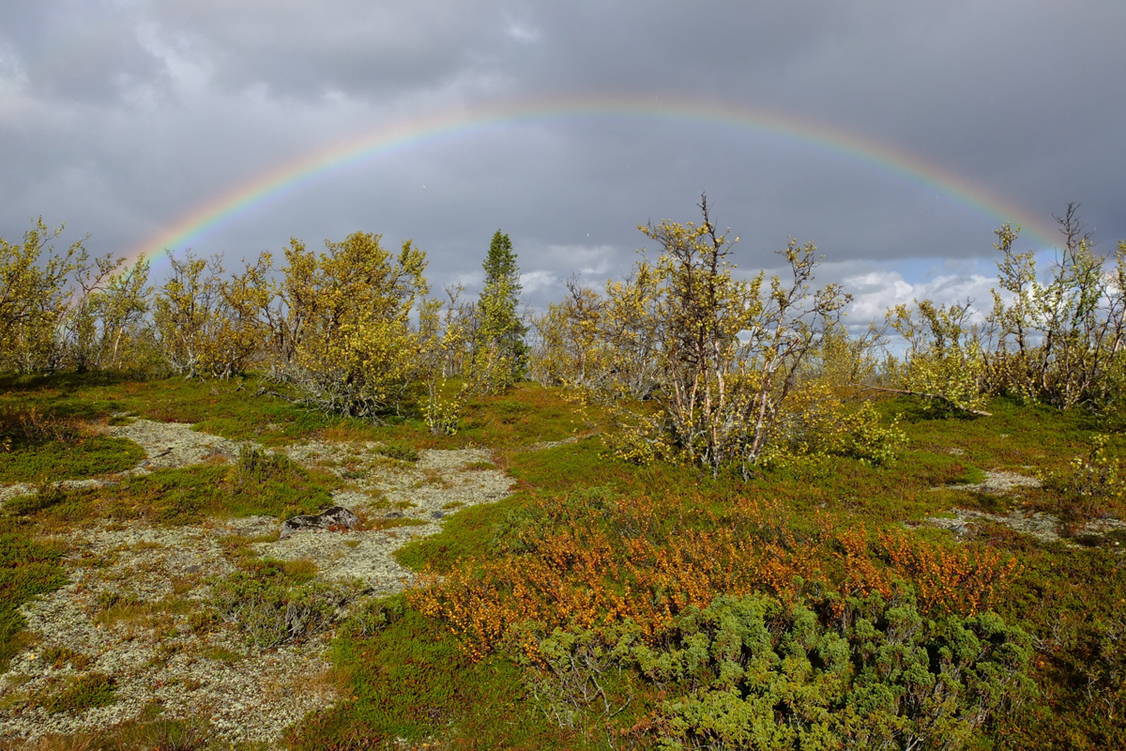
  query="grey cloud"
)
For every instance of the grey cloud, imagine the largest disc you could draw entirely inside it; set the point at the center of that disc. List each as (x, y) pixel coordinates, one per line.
(121, 117)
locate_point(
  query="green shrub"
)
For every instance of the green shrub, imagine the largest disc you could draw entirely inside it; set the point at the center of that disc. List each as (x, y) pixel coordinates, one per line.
(80, 693)
(36, 445)
(271, 609)
(1091, 482)
(254, 464)
(372, 617)
(864, 437)
(27, 568)
(398, 451)
(754, 673)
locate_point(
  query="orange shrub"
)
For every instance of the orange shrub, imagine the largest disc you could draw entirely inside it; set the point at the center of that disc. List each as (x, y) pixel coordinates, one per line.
(959, 579)
(648, 559)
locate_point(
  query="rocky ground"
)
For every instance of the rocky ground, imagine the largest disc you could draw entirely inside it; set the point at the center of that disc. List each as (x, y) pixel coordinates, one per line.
(131, 613)
(1041, 525)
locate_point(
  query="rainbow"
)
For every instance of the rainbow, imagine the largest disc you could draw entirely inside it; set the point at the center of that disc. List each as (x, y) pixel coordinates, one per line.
(408, 132)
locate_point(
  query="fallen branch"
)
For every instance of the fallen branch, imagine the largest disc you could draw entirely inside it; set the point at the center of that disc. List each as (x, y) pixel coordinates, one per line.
(939, 397)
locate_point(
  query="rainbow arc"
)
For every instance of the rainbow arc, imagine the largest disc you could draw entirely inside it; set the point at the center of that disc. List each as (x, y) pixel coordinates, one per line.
(407, 133)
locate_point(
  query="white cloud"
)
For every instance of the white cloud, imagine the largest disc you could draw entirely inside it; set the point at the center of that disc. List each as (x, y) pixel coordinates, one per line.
(876, 291)
(583, 260)
(540, 279)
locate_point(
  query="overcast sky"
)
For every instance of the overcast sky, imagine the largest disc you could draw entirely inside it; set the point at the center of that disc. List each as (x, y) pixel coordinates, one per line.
(120, 118)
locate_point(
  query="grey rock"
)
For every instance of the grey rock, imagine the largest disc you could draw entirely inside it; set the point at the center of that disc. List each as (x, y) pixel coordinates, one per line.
(335, 517)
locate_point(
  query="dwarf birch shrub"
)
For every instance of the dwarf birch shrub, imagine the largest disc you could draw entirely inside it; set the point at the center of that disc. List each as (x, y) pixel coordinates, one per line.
(271, 609)
(720, 356)
(340, 327)
(606, 345)
(1092, 482)
(209, 322)
(1059, 337)
(944, 363)
(35, 286)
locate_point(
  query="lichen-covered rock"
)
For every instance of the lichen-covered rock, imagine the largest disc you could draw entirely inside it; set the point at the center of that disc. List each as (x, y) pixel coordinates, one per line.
(336, 517)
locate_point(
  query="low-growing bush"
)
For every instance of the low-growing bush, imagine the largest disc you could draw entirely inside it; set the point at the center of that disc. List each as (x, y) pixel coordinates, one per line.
(371, 617)
(756, 673)
(80, 693)
(441, 413)
(271, 609)
(595, 560)
(256, 464)
(1091, 483)
(398, 451)
(29, 425)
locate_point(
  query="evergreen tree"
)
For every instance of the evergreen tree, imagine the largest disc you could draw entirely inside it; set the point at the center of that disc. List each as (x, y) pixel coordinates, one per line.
(500, 352)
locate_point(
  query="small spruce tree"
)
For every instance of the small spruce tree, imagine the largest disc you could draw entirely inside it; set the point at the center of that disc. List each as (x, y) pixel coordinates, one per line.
(500, 354)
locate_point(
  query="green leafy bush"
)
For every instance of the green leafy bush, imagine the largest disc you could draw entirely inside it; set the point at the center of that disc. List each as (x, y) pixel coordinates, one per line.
(398, 451)
(754, 673)
(864, 436)
(80, 693)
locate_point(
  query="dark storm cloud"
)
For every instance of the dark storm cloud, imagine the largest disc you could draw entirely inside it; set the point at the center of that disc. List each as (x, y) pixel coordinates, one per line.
(75, 51)
(121, 116)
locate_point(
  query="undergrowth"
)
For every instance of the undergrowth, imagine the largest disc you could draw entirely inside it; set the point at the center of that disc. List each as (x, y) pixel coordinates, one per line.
(588, 543)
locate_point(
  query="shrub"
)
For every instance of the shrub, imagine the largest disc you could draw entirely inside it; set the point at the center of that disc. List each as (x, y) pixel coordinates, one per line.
(80, 693)
(271, 610)
(443, 413)
(254, 464)
(1091, 482)
(372, 617)
(591, 561)
(818, 422)
(30, 426)
(398, 451)
(755, 673)
(341, 330)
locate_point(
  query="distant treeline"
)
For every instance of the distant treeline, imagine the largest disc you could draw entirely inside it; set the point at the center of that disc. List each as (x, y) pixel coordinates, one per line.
(699, 364)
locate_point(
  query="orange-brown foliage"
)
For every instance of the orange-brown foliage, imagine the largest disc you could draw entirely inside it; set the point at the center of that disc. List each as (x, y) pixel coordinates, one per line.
(647, 560)
(961, 579)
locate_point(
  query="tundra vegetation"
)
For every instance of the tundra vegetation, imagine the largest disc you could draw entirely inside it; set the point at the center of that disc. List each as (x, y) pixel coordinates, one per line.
(737, 522)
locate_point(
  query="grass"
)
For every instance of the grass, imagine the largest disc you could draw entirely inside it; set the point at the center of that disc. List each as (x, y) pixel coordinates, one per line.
(405, 675)
(68, 460)
(27, 568)
(78, 693)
